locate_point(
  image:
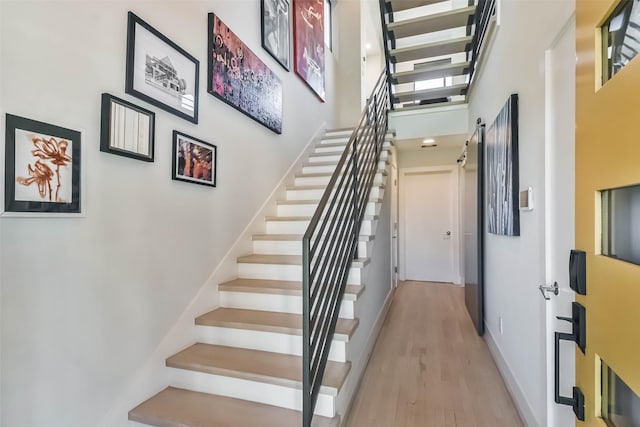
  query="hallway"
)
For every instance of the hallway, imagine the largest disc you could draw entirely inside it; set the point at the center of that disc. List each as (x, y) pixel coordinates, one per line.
(430, 369)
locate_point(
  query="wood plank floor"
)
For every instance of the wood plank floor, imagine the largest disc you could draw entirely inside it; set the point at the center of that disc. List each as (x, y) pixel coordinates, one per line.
(430, 369)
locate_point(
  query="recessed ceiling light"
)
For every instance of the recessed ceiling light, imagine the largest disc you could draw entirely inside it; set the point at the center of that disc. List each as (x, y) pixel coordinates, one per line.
(428, 141)
(368, 46)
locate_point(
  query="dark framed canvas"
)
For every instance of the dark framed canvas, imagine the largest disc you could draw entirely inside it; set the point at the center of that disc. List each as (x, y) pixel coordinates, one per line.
(126, 129)
(239, 78)
(503, 214)
(194, 160)
(42, 167)
(276, 30)
(308, 30)
(160, 72)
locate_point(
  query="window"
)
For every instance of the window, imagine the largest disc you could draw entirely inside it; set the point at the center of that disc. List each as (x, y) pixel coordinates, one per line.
(621, 223)
(620, 405)
(620, 38)
(432, 83)
(328, 22)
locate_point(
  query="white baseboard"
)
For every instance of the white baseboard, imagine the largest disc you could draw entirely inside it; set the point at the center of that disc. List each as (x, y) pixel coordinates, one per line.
(515, 390)
(371, 342)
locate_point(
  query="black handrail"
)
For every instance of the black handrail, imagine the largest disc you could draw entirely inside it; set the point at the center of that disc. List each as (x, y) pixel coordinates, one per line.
(330, 242)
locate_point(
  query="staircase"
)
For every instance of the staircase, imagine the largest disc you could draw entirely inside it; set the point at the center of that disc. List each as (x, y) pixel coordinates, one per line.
(431, 48)
(246, 368)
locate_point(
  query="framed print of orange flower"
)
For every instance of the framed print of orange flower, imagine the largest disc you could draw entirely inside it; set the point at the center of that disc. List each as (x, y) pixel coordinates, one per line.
(42, 167)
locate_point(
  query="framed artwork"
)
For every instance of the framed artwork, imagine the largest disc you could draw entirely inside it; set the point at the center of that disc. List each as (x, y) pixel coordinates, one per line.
(503, 214)
(193, 160)
(239, 78)
(160, 72)
(126, 129)
(42, 167)
(276, 30)
(308, 30)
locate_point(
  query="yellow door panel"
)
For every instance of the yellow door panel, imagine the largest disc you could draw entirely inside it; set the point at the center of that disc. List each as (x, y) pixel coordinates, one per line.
(607, 156)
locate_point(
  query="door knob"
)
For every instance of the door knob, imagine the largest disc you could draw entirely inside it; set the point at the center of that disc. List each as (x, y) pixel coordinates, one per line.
(448, 233)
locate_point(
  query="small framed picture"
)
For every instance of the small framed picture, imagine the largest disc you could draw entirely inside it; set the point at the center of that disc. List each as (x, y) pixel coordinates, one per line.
(276, 36)
(193, 160)
(126, 129)
(160, 72)
(42, 167)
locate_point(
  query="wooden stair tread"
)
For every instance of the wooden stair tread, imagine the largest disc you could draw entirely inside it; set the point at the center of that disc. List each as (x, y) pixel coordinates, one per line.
(429, 106)
(175, 407)
(268, 321)
(398, 5)
(431, 23)
(315, 202)
(280, 287)
(428, 50)
(288, 260)
(317, 187)
(438, 71)
(254, 365)
(296, 237)
(430, 93)
(308, 218)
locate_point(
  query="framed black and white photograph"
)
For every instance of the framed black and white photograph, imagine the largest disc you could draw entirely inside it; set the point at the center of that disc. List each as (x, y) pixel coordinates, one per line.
(503, 214)
(276, 35)
(126, 129)
(160, 72)
(194, 160)
(42, 167)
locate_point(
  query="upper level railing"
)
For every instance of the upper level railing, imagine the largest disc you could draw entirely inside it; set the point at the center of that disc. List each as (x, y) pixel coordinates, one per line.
(329, 245)
(484, 12)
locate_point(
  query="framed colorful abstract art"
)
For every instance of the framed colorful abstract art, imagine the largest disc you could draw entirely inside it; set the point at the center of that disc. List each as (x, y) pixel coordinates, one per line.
(308, 30)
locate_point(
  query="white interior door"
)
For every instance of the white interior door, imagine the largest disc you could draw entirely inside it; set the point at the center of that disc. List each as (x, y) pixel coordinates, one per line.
(428, 224)
(560, 213)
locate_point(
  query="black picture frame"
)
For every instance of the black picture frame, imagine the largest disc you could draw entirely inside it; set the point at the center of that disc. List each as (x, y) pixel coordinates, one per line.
(275, 32)
(126, 129)
(502, 171)
(169, 76)
(195, 171)
(41, 173)
(240, 79)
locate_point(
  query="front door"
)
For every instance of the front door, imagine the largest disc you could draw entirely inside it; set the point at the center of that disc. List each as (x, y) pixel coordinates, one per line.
(608, 222)
(428, 197)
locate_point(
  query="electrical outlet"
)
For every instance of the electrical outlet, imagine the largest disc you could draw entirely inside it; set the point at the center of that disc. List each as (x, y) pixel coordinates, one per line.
(500, 324)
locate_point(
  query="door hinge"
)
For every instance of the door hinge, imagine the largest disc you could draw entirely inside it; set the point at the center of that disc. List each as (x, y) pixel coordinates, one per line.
(395, 269)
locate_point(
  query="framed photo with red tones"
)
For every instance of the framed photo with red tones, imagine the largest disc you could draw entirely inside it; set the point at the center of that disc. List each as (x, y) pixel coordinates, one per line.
(193, 160)
(240, 79)
(308, 33)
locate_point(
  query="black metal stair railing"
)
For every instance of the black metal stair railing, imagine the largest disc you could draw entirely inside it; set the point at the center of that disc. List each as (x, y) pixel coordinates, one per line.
(329, 245)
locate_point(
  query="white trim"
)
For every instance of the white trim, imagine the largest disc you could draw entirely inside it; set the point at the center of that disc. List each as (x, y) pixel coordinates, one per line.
(456, 275)
(431, 109)
(513, 386)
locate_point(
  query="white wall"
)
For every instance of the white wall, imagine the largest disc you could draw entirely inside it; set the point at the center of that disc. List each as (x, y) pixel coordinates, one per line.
(85, 301)
(449, 120)
(428, 157)
(515, 265)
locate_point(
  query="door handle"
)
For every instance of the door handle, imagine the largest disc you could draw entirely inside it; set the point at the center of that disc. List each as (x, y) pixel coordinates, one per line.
(552, 288)
(448, 233)
(578, 335)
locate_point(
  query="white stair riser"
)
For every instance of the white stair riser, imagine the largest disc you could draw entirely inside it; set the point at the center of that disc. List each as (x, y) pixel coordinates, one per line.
(331, 139)
(339, 149)
(277, 303)
(384, 155)
(253, 391)
(293, 194)
(284, 272)
(310, 168)
(324, 180)
(310, 209)
(288, 247)
(296, 227)
(264, 341)
(332, 133)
